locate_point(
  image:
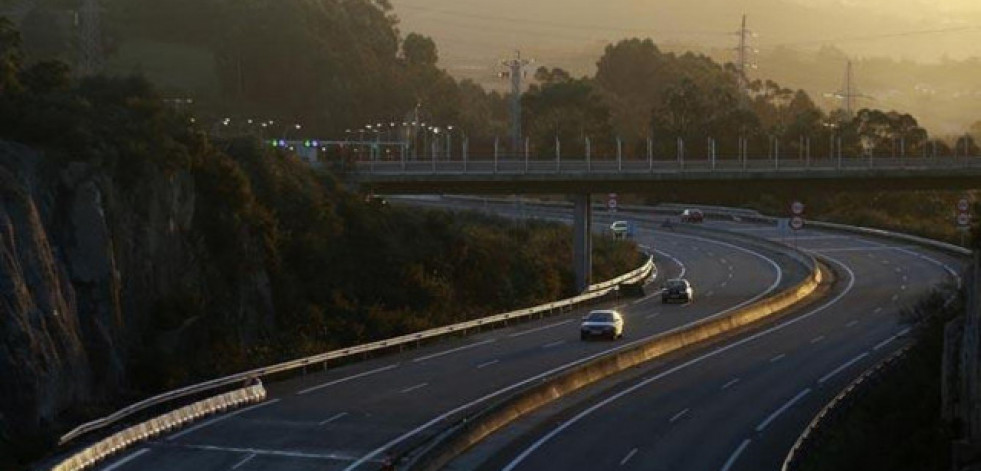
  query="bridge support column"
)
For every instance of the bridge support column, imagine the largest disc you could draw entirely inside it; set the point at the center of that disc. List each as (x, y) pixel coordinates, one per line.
(582, 241)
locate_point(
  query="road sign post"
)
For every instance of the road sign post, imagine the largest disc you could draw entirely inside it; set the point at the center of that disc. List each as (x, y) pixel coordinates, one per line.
(964, 218)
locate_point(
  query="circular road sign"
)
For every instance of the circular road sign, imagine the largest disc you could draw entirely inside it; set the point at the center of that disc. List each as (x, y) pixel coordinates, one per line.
(963, 205)
(796, 223)
(963, 219)
(612, 202)
(797, 208)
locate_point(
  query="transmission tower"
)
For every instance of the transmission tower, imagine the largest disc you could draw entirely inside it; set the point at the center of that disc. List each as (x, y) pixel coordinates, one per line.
(743, 51)
(90, 58)
(848, 93)
(515, 70)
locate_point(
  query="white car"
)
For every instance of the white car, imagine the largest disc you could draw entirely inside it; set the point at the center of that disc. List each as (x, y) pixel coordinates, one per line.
(603, 324)
(620, 228)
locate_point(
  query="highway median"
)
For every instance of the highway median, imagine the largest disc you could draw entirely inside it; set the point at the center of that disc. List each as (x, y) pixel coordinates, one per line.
(471, 429)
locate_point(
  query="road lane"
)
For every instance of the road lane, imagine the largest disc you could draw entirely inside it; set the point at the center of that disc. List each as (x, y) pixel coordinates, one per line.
(380, 406)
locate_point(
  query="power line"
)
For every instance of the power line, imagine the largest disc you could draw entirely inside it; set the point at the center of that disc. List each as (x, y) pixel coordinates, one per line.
(556, 24)
(876, 37)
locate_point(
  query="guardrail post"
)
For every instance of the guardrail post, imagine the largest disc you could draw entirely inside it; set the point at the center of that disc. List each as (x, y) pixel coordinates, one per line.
(681, 153)
(619, 154)
(839, 153)
(466, 145)
(403, 148)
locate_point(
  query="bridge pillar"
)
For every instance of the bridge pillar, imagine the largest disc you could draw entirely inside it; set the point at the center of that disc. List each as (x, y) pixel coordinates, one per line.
(582, 242)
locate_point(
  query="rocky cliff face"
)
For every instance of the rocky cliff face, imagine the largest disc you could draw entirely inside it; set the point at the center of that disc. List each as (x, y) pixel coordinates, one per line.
(85, 263)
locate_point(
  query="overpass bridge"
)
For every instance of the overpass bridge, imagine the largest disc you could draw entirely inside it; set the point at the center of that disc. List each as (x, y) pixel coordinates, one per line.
(583, 177)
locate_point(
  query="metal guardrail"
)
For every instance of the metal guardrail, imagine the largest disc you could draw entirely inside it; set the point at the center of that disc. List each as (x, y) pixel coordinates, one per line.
(595, 291)
(799, 450)
(145, 430)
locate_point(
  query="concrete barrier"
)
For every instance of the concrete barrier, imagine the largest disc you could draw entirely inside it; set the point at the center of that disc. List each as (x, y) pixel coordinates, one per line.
(470, 430)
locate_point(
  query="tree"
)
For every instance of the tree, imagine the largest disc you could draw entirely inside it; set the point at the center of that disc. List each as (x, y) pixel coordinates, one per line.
(419, 50)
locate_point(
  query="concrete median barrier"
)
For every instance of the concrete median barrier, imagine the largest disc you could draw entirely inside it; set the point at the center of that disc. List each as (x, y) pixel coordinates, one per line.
(471, 429)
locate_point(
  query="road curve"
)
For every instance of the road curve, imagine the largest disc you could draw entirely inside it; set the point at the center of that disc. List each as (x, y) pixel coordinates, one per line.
(346, 418)
(739, 405)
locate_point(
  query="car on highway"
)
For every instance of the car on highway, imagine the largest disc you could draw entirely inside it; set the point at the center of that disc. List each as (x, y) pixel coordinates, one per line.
(605, 323)
(678, 289)
(620, 229)
(692, 215)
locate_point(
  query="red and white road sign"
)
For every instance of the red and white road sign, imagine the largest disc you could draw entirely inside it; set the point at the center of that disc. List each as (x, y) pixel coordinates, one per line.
(612, 202)
(963, 205)
(796, 223)
(797, 208)
(963, 219)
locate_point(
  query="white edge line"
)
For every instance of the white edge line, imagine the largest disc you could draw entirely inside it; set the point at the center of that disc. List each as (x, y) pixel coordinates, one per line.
(763, 425)
(219, 419)
(127, 459)
(678, 416)
(345, 379)
(735, 455)
(413, 388)
(842, 367)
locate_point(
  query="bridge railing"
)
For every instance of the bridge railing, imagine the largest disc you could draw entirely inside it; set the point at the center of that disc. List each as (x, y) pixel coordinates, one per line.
(517, 166)
(593, 293)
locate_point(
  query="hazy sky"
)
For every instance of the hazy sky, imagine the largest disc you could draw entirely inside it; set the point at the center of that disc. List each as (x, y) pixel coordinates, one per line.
(923, 30)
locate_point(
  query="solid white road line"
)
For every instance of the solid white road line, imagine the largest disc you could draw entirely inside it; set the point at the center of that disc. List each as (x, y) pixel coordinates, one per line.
(333, 418)
(454, 350)
(281, 453)
(413, 388)
(349, 378)
(842, 367)
(487, 363)
(778, 358)
(681, 265)
(245, 460)
(817, 339)
(782, 409)
(553, 344)
(730, 384)
(539, 329)
(127, 459)
(851, 324)
(219, 419)
(627, 458)
(735, 455)
(677, 416)
(885, 342)
(725, 348)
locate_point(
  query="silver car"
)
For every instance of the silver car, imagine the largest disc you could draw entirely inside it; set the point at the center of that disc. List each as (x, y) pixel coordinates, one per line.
(604, 324)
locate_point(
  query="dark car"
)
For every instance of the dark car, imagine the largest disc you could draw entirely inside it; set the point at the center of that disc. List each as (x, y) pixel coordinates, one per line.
(692, 215)
(677, 290)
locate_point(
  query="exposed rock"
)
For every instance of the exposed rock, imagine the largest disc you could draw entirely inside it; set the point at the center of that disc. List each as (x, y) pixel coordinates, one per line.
(85, 262)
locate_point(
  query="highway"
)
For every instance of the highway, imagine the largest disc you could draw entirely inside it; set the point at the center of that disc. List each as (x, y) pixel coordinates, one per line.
(742, 404)
(348, 417)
